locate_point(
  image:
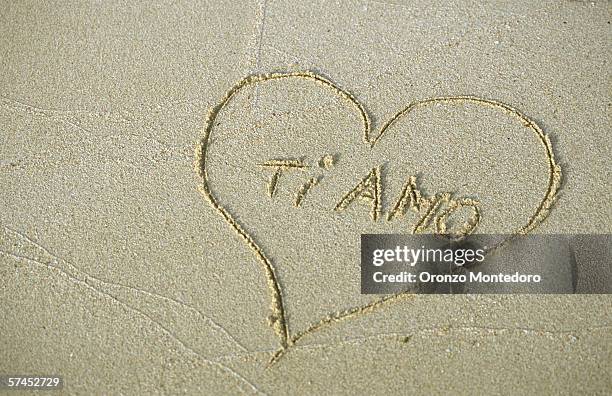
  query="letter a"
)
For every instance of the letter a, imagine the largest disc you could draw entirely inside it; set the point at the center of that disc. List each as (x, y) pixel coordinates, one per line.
(368, 190)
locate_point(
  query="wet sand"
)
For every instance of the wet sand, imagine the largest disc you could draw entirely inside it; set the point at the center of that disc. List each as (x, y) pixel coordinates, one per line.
(124, 270)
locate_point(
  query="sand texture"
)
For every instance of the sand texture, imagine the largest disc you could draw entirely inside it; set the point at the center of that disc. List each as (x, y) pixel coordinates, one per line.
(183, 187)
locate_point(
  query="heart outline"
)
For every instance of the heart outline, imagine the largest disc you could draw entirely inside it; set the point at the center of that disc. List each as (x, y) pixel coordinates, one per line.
(279, 323)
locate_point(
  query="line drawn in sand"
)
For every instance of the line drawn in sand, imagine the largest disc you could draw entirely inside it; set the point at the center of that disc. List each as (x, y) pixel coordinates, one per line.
(368, 188)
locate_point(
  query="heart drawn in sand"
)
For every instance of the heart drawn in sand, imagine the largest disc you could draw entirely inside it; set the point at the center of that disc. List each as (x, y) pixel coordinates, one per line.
(277, 156)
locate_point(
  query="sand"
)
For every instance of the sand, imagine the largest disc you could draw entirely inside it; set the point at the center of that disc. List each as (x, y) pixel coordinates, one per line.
(126, 270)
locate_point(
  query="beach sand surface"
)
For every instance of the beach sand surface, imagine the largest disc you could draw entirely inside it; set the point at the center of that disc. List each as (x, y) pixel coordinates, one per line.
(117, 273)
